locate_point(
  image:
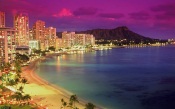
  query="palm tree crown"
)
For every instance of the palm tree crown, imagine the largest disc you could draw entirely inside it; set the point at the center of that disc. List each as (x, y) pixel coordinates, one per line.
(73, 99)
(90, 106)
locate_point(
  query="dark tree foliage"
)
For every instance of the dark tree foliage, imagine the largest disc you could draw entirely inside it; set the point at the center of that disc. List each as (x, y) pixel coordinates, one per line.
(52, 48)
(22, 57)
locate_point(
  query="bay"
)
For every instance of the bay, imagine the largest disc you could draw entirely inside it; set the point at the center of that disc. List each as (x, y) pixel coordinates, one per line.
(122, 78)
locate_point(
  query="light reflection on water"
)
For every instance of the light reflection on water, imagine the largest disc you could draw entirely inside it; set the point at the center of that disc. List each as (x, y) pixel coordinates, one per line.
(121, 78)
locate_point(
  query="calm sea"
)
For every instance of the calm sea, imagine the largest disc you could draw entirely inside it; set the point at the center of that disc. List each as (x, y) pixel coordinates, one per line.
(122, 78)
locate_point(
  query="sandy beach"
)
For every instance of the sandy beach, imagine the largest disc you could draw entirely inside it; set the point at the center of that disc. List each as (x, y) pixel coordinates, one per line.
(43, 93)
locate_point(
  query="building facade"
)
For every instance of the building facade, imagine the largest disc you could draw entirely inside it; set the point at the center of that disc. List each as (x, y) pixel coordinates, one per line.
(39, 33)
(58, 43)
(31, 34)
(2, 19)
(79, 39)
(21, 25)
(7, 45)
(23, 50)
(72, 39)
(50, 33)
(34, 44)
(89, 39)
(68, 39)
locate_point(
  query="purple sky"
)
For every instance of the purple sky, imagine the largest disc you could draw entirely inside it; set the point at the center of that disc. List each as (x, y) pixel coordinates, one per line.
(151, 18)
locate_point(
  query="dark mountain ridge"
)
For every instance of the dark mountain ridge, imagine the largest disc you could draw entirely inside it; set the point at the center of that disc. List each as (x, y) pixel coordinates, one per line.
(119, 33)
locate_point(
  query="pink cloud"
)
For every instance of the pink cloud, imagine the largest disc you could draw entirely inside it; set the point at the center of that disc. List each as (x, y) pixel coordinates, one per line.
(63, 13)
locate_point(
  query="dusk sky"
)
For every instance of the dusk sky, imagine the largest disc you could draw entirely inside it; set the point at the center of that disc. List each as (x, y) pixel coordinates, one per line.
(150, 18)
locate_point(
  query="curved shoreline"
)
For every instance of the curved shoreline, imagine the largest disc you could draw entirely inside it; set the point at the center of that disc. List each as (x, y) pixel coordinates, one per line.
(44, 93)
(52, 94)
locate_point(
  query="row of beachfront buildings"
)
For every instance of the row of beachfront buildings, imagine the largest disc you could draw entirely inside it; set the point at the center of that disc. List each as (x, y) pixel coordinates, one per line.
(21, 37)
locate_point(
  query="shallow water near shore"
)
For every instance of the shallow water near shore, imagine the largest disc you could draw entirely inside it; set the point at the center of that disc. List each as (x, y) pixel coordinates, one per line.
(122, 78)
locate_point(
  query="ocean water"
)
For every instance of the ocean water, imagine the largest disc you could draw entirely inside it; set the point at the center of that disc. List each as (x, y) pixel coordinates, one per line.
(122, 78)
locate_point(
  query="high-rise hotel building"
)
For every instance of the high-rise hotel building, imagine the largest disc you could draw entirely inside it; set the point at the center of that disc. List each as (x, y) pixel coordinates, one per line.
(21, 25)
(50, 33)
(2, 19)
(84, 39)
(7, 44)
(7, 41)
(39, 33)
(70, 39)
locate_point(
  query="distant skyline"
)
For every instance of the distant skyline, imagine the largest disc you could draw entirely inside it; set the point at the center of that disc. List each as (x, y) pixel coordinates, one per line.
(150, 18)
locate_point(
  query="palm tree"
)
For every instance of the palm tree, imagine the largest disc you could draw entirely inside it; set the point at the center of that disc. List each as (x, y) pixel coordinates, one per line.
(26, 97)
(89, 106)
(21, 89)
(1, 67)
(18, 96)
(62, 101)
(5, 107)
(5, 71)
(11, 83)
(17, 67)
(16, 82)
(2, 88)
(18, 75)
(24, 81)
(64, 104)
(73, 99)
(7, 65)
(4, 78)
